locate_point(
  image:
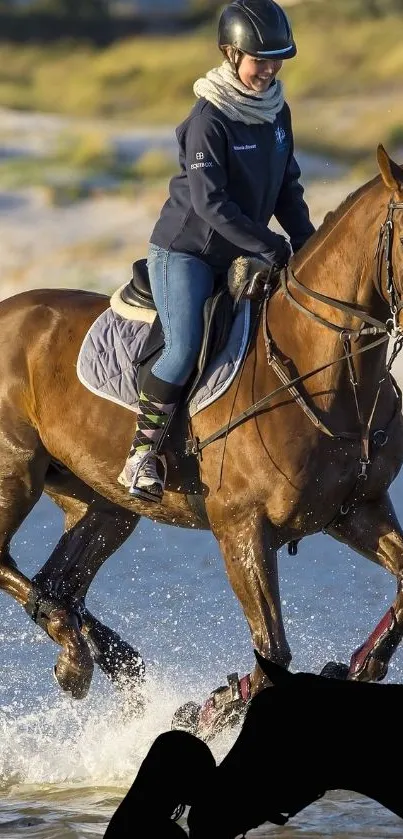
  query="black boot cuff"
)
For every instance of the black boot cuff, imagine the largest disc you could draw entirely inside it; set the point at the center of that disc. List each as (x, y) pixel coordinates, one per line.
(159, 391)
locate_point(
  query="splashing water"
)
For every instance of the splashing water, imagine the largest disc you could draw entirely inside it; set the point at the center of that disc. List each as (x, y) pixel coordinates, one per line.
(65, 765)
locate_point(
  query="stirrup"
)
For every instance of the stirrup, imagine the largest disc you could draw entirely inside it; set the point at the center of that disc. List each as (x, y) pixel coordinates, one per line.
(147, 495)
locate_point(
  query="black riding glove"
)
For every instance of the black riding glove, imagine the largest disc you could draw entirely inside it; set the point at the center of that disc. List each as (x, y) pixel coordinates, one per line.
(279, 257)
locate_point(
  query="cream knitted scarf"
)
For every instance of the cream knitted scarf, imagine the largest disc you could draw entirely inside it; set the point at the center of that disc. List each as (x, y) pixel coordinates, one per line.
(222, 87)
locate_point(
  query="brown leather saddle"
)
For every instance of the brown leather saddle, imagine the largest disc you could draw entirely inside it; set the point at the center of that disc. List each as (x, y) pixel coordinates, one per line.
(137, 292)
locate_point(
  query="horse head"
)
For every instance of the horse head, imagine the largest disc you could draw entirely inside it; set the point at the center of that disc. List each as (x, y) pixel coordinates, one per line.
(300, 739)
(340, 255)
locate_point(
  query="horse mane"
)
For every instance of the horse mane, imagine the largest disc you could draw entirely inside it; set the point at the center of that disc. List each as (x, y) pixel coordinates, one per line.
(332, 218)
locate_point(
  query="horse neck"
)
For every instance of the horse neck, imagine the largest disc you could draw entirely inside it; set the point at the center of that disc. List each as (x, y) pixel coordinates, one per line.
(338, 262)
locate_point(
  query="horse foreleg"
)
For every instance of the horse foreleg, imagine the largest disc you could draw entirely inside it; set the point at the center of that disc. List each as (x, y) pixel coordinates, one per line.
(251, 564)
(23, 463)
(373, 530)
(93, 532)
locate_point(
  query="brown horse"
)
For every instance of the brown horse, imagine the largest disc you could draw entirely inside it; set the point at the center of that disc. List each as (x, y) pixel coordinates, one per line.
(313, 451)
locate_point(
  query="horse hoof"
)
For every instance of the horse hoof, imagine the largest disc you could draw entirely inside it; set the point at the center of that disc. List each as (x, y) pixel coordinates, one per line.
(334, 670)
(224, 709)
(120, 662)
(74, 666)
(186, 718)
(206, 721)
(372, 670)
(74, 676)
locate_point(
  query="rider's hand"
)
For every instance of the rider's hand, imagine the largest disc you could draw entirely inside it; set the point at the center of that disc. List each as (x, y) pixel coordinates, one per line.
(280, 256)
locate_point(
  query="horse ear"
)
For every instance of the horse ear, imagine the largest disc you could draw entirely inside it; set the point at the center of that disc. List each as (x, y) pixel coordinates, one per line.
(278, 675)
(392, 174)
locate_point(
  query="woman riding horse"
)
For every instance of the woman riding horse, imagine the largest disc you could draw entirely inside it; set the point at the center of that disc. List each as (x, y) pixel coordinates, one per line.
(308, 436)
(237, 170)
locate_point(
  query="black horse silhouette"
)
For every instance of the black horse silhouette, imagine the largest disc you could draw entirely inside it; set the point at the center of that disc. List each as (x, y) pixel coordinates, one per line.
(173, 774)
(300, 738)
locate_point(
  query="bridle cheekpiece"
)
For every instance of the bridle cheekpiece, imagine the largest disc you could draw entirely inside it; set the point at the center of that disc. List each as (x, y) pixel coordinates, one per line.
(385, 248)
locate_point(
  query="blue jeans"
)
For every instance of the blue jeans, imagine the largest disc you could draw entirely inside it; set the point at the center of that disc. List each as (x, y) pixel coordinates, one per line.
(180, 283)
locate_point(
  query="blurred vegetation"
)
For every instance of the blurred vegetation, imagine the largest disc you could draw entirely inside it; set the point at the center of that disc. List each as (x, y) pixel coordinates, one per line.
(395, 136)
(149, 79)
(342, 49)
(85, 164)
(72, 8)
(344, 87)
(355, 9)
(85, 150)
(153, 165)
(93, 8)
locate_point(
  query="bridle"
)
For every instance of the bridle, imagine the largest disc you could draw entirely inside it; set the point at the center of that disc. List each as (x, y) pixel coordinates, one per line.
(385, 247)
(369, 326)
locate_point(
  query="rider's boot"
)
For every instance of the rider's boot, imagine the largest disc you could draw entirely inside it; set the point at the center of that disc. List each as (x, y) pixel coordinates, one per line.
(144, 472)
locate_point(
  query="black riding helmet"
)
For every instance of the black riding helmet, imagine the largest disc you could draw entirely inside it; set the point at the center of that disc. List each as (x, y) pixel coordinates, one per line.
(258, 27)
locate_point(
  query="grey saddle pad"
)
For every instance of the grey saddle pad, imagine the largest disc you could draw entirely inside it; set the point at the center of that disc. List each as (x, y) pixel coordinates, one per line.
(106, 363)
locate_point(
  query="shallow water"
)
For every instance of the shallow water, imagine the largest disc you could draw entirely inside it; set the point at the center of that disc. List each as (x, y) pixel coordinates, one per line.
(65, 765)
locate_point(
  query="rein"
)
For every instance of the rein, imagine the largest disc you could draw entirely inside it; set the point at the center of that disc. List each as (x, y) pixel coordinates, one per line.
(194, 445)
(376, 327)
(288, 278)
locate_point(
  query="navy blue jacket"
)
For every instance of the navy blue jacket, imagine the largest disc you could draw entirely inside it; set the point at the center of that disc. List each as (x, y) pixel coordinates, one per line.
(233, 179)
